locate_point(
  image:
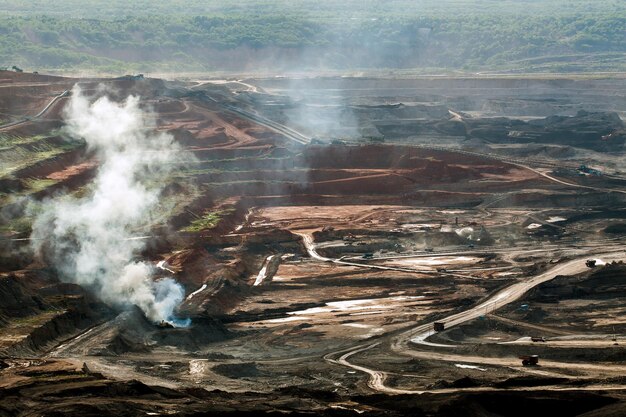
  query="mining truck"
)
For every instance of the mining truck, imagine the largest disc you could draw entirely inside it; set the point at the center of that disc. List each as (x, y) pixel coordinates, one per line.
(584, 169)
(591, 263)
(530, 360)
(439, 326)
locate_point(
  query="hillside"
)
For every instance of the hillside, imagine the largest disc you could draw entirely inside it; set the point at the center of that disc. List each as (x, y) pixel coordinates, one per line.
(424, 36)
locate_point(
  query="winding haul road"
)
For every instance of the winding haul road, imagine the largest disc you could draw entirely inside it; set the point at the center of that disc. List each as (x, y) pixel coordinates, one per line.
(399, 343)
(38, 115)
(311, 249)
(419, 334)
(286, 131)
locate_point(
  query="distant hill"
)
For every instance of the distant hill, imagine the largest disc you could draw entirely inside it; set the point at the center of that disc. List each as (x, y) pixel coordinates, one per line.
(422, 36)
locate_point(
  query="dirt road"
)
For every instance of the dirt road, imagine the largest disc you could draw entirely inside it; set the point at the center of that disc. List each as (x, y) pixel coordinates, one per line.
(41, 113)
(400, 343)
(311, 249)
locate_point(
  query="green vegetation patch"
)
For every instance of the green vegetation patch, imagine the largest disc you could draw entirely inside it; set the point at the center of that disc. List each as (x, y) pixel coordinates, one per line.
(8, 141)
(37, 184)
(19, 328)
(24, 152)
(20, 226)
(209, 220)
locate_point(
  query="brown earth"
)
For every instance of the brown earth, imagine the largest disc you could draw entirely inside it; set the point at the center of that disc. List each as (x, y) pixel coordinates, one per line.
(384, 209)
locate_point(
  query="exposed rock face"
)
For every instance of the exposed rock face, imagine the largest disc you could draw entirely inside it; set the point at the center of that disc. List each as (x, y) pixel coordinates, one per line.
(601, 131)
(37, 313)
(59, 388)
(16, 300)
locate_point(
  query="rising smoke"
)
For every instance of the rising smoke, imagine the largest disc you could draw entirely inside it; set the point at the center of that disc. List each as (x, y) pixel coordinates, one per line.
(89, 238)
(325, 116)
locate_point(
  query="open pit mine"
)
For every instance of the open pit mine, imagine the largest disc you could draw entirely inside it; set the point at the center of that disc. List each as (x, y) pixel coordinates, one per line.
(331, 246)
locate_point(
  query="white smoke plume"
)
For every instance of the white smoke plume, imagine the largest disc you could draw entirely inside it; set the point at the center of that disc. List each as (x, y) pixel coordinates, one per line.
(89, 237)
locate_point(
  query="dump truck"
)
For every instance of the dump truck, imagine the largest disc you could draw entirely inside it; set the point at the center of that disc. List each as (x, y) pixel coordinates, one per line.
(584, 169)
(530, 360)
(591, 263)
(349, 238)
(538, 339)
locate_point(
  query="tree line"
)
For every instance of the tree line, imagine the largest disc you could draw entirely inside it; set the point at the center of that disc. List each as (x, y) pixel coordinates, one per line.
(468, 41)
